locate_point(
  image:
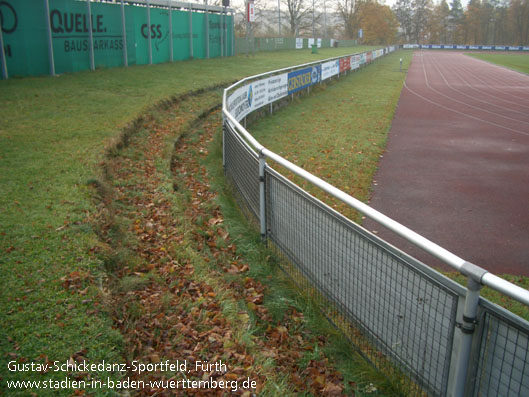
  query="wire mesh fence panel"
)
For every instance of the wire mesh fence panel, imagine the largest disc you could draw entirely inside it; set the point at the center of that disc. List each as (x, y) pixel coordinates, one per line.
(503, 363)
(399, 312)
(241, 165)
(404, 312)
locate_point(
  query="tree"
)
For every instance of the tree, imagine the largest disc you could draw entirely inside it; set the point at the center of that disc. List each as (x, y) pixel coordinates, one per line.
(473, 31)
(404, 14)
(349, 11)
(421, 17)
(457, 19)
(519, 17)
(297, 16)
(378, 23)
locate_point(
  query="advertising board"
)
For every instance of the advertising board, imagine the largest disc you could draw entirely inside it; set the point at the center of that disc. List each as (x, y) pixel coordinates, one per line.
(363, 58)
(303, 78)
(345, 64)
(24, 27)
(329, 69)
(299, 43)
(238, 102)
(277, 87)
(257, 94)
(355, 62)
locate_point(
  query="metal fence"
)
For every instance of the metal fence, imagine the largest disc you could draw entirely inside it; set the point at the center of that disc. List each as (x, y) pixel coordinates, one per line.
(441, 338)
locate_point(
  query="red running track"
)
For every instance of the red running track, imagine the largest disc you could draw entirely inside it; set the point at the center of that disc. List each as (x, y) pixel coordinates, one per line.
(456, 166)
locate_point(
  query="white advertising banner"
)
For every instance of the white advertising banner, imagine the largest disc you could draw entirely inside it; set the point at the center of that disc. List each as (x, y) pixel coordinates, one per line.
(277, 87)
(311, 42)
(253, 96)
(363, 58)
(319, 43)
(250, 11)
(329, 69)
(355, 62)
(258, 94)
(238, 103)
(299, 43)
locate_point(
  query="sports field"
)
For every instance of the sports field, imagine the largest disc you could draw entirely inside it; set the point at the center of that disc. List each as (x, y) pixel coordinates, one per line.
(119, 244)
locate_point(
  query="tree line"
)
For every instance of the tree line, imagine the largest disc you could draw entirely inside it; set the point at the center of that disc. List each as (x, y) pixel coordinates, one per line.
(486, 22)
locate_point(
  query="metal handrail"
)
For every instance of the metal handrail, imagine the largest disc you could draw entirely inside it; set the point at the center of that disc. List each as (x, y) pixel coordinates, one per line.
(482, 276)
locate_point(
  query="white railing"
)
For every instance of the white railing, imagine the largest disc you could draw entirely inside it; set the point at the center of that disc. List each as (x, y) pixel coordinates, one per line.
(257, 92)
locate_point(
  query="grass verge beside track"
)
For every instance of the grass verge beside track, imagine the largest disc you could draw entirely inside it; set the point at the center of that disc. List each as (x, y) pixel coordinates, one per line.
(53, 133)
(514, 61)
(339, 133)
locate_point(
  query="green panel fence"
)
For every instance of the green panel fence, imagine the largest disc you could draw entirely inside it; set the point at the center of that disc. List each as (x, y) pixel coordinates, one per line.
(151, 29)
(242, 45)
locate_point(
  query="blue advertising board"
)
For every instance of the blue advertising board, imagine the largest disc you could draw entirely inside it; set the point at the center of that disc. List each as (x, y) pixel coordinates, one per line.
(303, 78)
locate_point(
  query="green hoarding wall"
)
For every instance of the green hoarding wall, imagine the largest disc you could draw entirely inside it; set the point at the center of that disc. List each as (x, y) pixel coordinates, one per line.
(25, 35)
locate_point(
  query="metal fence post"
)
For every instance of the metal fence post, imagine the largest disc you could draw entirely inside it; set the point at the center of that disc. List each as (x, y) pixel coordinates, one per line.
(190, 31)
(232, 33)
(3, 54)
(221, 33)
(467, 327)
(50, 39)
(149, 31)
(170, 30)
(90, 36)
(262, 204)
(124, 33)
(207, 30)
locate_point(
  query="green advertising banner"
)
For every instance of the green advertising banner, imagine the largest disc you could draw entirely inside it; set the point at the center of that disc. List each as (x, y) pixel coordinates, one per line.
(24, 36)
(70, 27)
(181, 36)
(26, 44)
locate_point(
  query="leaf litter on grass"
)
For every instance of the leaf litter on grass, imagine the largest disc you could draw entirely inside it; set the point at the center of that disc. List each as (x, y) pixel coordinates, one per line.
(189, 295)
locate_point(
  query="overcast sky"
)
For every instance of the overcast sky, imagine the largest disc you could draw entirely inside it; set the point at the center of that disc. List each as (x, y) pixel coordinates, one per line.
(329, 3)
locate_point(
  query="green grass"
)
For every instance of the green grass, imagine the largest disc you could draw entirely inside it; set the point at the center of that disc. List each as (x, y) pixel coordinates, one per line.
(514, 61)
(351, 136)
(348, 119)
(53, 134)
(360, 378)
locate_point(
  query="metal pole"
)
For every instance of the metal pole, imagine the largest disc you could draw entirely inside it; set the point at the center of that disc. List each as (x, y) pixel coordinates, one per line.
(232, 33)
(3, 54)
(247, 31)
(191, 31)
(324, 20)
(90, 36)
(225, 27)
(224, 143)
(262, 204)
(50, 39)
(221, 33)
(124, 33)
(149, 30)
(170, 31)
(313, 19)
(279, 17)
(467, 326)
(207, 31)
(252, 39)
